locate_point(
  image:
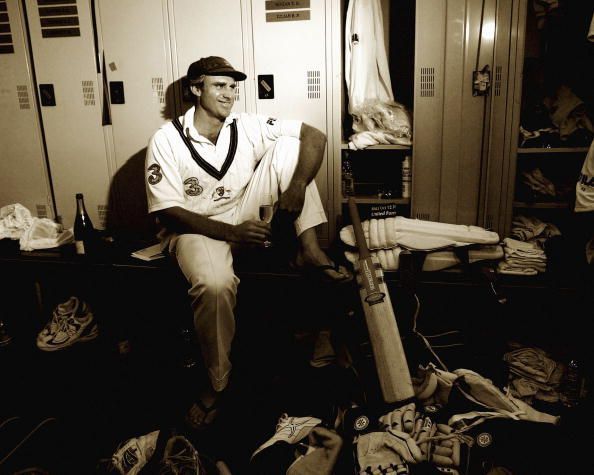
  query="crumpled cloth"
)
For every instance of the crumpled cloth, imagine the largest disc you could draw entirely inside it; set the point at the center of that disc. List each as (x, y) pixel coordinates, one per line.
(568, 112)
(532, 374)
(14, 219)
(33, 233)
(380, 122)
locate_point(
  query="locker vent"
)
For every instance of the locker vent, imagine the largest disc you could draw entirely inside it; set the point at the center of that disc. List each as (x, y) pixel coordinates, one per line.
(313, 84)
(23, 97)
(102, 212)
(237, 94)
(424, 216)
(427, 82)
(497, 85)
(157, 84)
(41, 211)
(489, 222)
(88, 93)
(58, 18)
(6, 45)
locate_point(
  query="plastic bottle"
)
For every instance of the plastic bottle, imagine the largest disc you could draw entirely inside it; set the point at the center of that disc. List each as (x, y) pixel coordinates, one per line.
(348, 182)
(572, 384)
(84, 232)
(406, 176)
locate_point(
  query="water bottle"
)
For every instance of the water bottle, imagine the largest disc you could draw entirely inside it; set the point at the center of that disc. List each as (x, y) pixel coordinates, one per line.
(572, 386)
(348, 181)
(406, 176)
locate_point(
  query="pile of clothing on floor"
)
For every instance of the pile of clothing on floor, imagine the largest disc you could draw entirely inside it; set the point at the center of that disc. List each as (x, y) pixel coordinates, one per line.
(533, 374)
(445, 420)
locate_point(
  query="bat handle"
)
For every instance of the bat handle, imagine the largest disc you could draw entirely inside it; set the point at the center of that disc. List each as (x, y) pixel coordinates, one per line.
(358, 229)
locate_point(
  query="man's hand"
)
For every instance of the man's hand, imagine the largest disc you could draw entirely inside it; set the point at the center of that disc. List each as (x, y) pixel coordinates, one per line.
(250, 232)
(291, 200)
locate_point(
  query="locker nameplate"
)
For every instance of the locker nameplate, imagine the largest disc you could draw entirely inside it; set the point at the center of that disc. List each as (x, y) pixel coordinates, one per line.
(58, 11)
(59, 32)
(6, 49)
(295, 15)
(41, 3)
(286, 4)
(60, 21)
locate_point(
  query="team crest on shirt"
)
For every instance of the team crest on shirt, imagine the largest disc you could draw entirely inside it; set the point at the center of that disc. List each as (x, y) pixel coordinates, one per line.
(192, 187)
(155, 175)
(220, 193)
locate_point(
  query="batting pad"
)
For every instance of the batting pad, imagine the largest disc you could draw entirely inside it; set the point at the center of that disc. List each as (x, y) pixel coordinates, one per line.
(417, 234)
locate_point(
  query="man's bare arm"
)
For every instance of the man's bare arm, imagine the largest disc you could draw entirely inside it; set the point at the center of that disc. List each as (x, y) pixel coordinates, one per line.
(182, 221)
(311, 154)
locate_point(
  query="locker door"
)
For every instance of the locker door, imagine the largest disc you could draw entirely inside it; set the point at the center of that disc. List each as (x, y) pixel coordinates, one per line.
(504, 99)
(200, 28)
(290, 46)
(430, 38)
(66, 68)
(23, 171)
(135, 43)
(137, 71)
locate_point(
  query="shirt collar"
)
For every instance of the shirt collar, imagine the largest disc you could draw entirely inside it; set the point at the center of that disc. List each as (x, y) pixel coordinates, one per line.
(190, 130)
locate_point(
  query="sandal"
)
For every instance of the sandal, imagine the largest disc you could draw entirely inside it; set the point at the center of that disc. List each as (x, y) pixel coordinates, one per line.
(319, 273)
(205, 418)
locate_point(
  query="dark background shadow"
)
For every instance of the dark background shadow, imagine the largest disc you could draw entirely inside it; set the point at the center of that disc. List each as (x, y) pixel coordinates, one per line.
(128, 220)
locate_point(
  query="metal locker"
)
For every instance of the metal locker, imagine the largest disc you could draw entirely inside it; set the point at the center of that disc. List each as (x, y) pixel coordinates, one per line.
(23, 171)
(199, 29)
(67, 72)
(502, 133)
(470, 37)
(452, 118)
(428, 108)
(290, 47)
(137, 71)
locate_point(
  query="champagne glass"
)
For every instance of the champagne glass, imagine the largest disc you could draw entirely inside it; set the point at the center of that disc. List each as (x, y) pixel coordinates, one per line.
(266, 212)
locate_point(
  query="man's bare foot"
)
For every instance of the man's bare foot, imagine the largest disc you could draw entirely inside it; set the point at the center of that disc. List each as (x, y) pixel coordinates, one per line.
(203, 411)
(312, 258)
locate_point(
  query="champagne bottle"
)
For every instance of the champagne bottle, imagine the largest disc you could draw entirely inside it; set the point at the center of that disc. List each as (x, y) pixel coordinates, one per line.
(84, 231)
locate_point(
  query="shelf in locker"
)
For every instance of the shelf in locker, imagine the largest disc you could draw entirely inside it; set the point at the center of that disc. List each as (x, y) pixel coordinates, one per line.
(365, 199)
(345, 146)
(542, 205)
(526, 151)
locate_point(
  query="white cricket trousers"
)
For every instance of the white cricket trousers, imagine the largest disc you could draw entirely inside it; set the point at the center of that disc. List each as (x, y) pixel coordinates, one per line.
(207, 263)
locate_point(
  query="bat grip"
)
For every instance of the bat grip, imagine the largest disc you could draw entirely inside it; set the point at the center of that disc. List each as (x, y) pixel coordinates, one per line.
(358, 229)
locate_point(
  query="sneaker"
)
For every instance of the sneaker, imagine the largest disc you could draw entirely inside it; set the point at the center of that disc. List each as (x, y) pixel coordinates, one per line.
(71, 322)
(290, 430)
(181, 458)
(60, 313)
(132, 455)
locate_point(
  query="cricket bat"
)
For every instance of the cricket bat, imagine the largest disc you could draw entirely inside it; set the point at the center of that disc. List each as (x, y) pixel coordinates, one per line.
(388, 352)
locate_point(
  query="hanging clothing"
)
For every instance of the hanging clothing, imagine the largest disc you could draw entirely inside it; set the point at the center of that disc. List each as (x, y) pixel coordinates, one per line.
(584, 188)
(366, 63)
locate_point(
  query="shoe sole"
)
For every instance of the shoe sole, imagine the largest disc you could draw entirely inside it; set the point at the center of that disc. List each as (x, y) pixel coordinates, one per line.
(94, 333)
